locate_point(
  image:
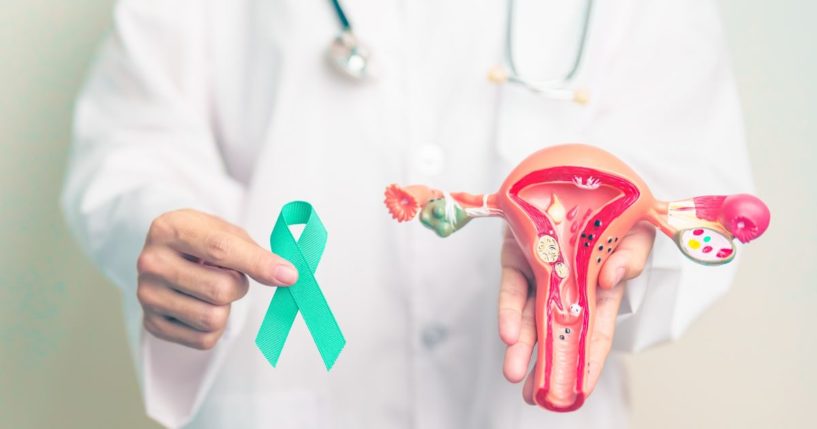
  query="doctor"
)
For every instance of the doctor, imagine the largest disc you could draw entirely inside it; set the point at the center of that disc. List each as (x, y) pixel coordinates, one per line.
(201, 118)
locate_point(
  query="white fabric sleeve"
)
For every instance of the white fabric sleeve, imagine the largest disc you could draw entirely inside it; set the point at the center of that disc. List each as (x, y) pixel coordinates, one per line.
(667, 104)
(143, 146)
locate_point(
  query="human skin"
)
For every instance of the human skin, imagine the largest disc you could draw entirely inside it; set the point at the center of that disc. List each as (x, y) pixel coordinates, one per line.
(192, 267)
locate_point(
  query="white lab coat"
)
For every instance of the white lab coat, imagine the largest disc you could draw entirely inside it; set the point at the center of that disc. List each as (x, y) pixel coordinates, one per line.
(228, 107)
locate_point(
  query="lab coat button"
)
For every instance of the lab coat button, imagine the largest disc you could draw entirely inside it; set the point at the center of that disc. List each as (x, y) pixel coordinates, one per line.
(430, 160)
(433, 335)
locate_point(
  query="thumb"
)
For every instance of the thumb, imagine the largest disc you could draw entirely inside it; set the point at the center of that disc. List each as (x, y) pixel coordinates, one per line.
(629, 258)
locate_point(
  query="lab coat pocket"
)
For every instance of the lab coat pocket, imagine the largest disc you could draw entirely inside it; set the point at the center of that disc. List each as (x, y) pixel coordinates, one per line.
(527, 122)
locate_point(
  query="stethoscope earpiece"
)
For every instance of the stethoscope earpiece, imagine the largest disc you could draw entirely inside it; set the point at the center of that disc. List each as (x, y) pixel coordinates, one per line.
(498, 75)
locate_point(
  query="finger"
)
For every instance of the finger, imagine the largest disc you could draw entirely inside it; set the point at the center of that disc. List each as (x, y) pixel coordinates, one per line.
(629, 258)
(512, 256)
(170, 330)
(518, 355)
(527, 389)
(601, 338)
(208, 239)
(514, 289)
(212, 284)
(513, 292)
(157, 298)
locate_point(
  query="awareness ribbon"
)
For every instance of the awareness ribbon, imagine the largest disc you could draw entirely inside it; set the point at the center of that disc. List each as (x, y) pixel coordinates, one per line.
(305, 295)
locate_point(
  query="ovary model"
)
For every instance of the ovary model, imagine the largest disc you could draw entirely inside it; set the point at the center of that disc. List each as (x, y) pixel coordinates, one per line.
(568, 206)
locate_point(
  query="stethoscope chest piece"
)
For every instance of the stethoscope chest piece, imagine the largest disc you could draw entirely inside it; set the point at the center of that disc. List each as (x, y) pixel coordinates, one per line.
(348, 57)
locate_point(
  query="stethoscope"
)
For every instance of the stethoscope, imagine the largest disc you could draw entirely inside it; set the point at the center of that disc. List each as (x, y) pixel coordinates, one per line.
(350, 58)
(346, 54)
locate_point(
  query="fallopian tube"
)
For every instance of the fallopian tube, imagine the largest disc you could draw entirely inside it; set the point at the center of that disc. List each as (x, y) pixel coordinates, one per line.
(568, 206)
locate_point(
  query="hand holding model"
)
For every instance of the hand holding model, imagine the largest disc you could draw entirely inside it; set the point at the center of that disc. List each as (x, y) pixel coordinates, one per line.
(517, 325)
(581, 219)
(192, 267)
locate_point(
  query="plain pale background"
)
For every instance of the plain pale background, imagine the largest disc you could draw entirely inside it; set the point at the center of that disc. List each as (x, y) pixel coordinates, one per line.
(749, 362)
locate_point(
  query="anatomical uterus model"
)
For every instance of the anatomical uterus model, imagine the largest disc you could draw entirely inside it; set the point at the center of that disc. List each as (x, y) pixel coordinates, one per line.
(568, 207)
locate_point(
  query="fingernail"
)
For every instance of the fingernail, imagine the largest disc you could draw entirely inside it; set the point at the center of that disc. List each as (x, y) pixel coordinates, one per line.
(285, 274)
(619, 275)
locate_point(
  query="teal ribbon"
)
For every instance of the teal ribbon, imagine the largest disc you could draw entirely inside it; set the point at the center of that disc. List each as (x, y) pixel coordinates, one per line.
(305, 295)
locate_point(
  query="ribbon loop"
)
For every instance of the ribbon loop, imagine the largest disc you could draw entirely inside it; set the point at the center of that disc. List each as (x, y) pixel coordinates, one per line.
(305, 295)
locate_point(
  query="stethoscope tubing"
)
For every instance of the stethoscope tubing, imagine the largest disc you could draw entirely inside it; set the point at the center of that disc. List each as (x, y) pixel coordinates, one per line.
(543, 85)
(342, 18)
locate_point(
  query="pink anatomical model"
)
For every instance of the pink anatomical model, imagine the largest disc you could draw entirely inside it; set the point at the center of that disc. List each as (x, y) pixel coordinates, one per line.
(567, 206)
